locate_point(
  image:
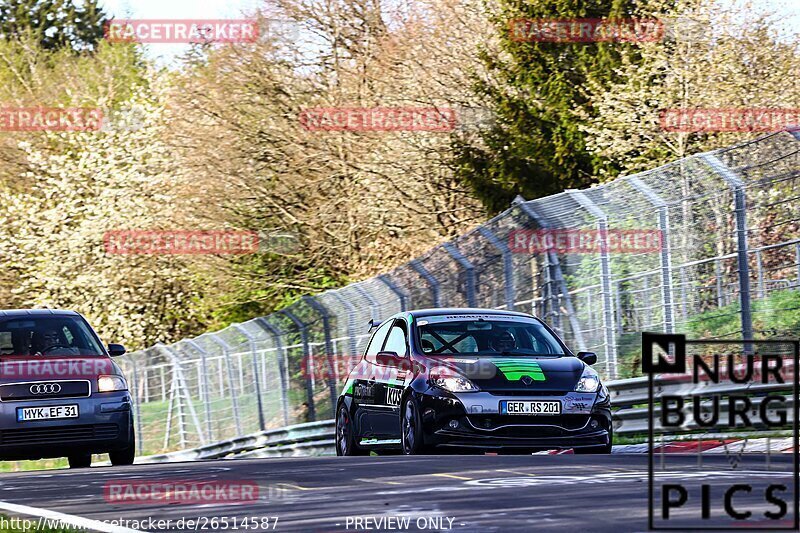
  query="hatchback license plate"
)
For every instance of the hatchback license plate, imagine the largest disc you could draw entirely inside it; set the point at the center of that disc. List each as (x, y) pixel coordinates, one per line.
(50, 412)
(530, 407)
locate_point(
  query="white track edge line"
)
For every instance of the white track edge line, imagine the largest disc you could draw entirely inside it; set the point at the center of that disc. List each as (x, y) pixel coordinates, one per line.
(78, 521)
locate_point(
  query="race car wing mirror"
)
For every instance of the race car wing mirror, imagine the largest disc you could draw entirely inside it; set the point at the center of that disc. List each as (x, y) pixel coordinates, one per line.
(589, 358)
(387, 358)
(115, 350)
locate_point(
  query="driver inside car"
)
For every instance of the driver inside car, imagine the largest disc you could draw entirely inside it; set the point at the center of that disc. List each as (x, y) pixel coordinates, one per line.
(51, 342)
(502, 341)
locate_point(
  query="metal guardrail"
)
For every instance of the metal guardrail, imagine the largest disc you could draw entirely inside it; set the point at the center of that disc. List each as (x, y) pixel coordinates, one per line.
(313, 438)
(317, 438)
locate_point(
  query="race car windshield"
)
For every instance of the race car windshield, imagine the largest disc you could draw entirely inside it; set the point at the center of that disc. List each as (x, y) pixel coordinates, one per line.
(486, 336)
(51, 336)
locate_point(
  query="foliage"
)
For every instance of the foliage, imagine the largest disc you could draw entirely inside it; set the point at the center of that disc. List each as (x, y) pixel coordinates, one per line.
(537, 146)
(54, 23)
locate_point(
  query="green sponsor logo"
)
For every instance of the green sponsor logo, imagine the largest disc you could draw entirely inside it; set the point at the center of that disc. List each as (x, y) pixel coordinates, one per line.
(515, 369)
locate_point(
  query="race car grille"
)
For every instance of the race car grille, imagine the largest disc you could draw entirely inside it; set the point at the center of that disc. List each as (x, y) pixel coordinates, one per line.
(44, 390)
(58, 434)
(526, 392)
(536, 425)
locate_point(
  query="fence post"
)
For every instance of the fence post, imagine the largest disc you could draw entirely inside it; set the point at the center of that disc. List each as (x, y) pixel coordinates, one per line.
(136, 411)
(182, 393)
(283, 365)
(351, 323)
(433, 283)
(322, 311)
(402, 296)
(302, 329)
(557, 274)
(252, 342)
(231, 382)
(206, 389)
(374, 306)
(737, 186)
(508, 265)
(605, 279)
(469, 271)
(797, 262)
(666, 256)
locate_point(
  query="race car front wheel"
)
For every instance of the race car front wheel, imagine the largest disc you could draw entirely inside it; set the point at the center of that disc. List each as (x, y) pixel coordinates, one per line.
(345, 434)
(411, 428)
(125, 456)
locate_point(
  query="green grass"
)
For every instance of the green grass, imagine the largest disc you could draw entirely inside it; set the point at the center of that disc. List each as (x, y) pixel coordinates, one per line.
(776, 316)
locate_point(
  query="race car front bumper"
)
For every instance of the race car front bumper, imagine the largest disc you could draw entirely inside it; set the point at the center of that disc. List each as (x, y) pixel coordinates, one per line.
(474, 420)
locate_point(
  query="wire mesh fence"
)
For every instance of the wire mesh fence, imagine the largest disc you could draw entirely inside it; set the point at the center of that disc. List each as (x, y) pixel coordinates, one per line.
(707, 245)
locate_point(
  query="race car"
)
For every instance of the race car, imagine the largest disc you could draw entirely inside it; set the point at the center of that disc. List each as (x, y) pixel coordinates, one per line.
(61, 395)
(471, 379)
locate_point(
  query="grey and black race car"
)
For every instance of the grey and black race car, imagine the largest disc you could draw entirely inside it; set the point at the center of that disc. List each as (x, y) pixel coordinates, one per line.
(471, 378)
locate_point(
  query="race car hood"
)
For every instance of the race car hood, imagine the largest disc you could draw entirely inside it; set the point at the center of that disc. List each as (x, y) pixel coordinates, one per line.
(504, 373)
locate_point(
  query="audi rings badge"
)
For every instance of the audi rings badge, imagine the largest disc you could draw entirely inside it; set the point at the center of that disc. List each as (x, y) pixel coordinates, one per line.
(45, 388)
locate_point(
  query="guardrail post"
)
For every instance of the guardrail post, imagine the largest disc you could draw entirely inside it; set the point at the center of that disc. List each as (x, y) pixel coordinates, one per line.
(433, 283)
(666, 263)
(557, 273)
(402, 296)
(283, 365)
(302, 329)
(252, 342)
(737, 186)
(232, 384)
(508, 265)
(469, 271)
(326, 327)
(605, 279)
(206, 389)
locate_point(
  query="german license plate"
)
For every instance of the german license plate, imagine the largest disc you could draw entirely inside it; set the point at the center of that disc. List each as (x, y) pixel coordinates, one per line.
(530, 407)
(50, 412)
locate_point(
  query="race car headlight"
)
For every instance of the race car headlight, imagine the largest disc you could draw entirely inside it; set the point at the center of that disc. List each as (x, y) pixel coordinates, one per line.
(589, 382)
(111, 383)
(453, 383)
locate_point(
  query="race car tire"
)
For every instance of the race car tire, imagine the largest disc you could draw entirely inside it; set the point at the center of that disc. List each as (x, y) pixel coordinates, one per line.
(125, 456)
(345, 434)
(411, 436)
(80, 460)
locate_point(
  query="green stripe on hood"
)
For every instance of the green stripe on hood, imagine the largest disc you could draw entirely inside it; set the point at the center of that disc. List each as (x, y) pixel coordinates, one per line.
(515, 369)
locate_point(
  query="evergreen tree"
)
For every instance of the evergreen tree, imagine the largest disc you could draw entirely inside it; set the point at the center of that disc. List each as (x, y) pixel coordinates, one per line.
(54, 23)
(536, 91)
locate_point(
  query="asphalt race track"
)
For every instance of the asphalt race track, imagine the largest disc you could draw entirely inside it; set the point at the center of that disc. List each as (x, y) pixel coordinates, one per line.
(436, 493)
